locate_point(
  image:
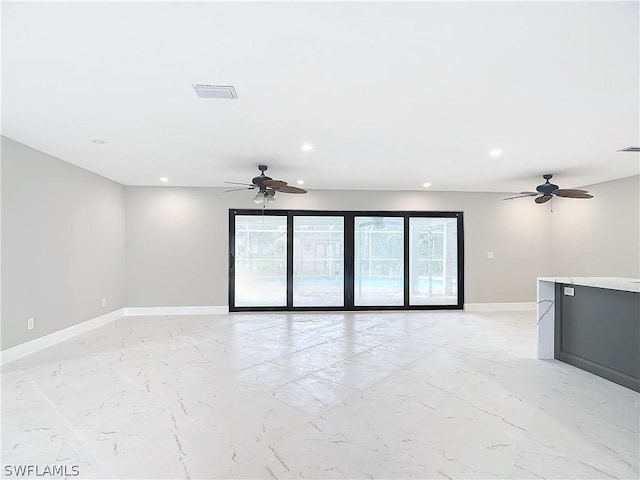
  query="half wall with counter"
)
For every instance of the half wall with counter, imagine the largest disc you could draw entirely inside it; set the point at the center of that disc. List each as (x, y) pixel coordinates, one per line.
(592, 323)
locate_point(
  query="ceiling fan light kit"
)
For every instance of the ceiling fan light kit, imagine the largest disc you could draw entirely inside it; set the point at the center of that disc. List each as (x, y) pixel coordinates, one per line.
(547, 190)
(263, 198)
(267, 187)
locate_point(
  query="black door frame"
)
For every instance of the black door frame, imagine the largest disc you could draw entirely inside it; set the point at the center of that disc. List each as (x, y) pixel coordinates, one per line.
(349, 249)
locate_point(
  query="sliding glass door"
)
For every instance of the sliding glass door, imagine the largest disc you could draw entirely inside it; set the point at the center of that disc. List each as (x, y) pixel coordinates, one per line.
(312, 260)
(260, 261)
(379, 261)
(318, 261)
(433, 261)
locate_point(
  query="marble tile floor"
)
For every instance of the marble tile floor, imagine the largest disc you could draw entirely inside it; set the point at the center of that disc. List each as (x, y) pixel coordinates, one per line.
(327, 395)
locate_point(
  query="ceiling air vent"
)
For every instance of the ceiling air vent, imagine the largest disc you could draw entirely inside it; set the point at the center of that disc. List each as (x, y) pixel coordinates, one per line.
(630, 149)
(215, 91)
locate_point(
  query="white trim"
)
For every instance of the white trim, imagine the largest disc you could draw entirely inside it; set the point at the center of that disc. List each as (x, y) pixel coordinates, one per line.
(500, 307)
(208, 310)
(46, 341)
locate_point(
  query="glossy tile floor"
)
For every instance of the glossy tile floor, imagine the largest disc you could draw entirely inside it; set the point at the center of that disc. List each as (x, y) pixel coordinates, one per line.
(366, 395)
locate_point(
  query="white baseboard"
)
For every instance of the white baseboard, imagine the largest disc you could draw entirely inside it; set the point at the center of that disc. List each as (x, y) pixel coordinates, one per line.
(37, 344)
(500, 307)
(208, 310)
(40, 343)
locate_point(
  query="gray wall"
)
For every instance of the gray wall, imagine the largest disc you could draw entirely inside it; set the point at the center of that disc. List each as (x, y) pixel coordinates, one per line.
(177, 240)
(599, 237)
(176, 247)
(62, 244)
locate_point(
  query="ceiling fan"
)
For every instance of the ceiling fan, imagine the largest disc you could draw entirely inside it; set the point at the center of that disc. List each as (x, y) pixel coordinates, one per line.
(267, 187)
(547, 190)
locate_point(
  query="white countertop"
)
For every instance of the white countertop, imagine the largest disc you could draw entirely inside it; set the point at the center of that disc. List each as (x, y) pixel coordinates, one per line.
(612, 283)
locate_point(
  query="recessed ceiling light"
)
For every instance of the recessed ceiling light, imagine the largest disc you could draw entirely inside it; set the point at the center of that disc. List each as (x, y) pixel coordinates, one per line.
(98, 141)
(164, 179)
(300, 182)
(495, 153)
(426, 184)
(307, 147)
(215, 91)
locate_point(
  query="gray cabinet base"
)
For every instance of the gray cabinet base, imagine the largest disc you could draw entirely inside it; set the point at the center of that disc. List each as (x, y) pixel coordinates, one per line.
(598, 330)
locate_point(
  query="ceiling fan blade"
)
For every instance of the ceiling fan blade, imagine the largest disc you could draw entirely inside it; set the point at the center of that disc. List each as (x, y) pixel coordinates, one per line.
(236, 189)
(524, 194)
(271, 192)
(290, 189)
(543, 199)
(572, 194)
(278, 184)
(239, 183)
(570, 190)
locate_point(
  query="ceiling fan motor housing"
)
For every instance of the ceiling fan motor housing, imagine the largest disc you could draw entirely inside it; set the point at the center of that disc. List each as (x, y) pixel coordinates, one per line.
(547, 188)
(259, 180)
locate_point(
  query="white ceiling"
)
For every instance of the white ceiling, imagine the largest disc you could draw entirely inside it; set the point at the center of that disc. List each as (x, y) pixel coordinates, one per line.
(392, 95)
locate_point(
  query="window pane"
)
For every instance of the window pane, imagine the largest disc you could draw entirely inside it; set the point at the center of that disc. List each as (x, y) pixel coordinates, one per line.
(379, 261)
(318, 261)
(261, 261)
(433, 265)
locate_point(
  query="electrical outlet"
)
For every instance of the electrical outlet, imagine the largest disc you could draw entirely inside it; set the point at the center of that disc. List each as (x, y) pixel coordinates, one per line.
(104, 302)
(490, 255)
(30, 324)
